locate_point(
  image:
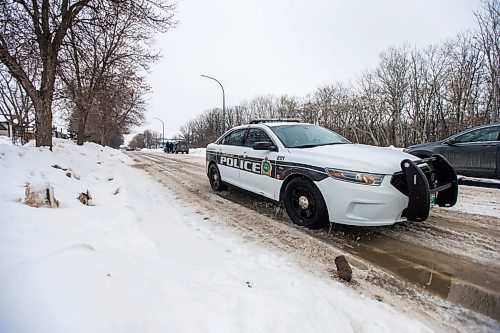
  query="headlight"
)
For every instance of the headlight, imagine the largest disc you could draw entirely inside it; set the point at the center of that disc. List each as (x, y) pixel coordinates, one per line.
(356, 177)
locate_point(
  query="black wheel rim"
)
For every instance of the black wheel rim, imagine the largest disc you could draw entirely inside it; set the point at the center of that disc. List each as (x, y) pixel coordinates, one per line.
(300, 212)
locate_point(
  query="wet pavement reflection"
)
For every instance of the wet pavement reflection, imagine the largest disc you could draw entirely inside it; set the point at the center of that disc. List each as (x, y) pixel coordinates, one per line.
(470, 287)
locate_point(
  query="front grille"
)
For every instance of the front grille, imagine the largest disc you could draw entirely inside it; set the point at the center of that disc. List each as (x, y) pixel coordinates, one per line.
(398, 179)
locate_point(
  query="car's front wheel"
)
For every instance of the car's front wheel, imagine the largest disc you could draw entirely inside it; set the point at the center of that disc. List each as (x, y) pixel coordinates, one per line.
(305, 204)
(215, 179)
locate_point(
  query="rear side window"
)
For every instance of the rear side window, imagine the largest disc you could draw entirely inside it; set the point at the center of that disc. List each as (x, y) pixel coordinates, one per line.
(256, 135)
(235, 138)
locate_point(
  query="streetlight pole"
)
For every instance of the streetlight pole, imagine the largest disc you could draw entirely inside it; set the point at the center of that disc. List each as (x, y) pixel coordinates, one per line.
(223, 102)
(162, 130)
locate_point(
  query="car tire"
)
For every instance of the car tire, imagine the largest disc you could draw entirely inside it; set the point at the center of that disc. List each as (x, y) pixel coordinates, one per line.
(304, 203)
(215, 180)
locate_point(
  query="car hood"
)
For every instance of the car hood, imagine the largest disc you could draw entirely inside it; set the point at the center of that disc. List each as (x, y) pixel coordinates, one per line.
(354, 157)
(425, 145)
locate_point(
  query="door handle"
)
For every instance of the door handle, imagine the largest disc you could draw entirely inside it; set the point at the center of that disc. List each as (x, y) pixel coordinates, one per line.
(245, 155)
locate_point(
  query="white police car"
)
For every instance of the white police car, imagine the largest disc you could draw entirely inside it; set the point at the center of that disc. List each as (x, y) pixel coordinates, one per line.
(320, 176)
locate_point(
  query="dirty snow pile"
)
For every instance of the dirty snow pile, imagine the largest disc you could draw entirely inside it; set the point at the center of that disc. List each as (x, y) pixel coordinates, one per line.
(138, 259)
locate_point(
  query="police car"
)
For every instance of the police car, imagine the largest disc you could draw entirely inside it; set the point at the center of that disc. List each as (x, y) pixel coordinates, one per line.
(320, 177)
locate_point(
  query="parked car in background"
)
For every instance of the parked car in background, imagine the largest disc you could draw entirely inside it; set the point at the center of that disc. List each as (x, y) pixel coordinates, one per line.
(320, 176)
(474, 152)
(181, 147)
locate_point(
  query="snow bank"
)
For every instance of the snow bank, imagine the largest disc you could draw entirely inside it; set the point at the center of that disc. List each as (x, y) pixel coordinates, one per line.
(198, 152)
(140, 260)
(5, 140)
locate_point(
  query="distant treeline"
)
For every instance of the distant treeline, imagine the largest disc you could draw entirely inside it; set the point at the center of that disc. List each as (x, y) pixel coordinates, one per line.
(412, 96)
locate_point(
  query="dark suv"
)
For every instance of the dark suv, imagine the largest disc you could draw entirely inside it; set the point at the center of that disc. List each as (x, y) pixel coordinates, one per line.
(181, 147)
(474, 152)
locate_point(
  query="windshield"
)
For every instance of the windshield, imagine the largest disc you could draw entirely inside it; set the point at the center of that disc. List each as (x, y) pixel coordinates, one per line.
(306, 136)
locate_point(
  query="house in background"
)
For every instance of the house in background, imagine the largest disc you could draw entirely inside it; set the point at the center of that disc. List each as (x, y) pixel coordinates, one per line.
(5, 129)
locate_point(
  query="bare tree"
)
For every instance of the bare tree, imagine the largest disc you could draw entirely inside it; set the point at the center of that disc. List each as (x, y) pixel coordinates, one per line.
(427, 74)
(263, 107)
(488, 36)
(114, 45)
(462, 83)
(138, 141)
(119, 105)
(36, 29)
(392, 73)
(371, 114)
(147, 139)
(288, 106)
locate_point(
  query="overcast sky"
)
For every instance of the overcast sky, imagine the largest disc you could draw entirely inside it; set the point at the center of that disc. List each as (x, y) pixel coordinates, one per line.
(261, 47)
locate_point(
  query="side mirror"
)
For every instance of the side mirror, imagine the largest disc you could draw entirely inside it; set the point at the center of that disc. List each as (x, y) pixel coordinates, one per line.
(450, 142)
(265, 145)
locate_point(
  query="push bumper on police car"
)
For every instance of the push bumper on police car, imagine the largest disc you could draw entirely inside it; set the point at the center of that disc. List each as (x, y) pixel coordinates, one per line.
(406, 195)
(425, 182)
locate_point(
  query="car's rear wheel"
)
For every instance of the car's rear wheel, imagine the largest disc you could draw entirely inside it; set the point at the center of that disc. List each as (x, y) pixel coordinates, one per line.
(305, 204)
(215, 179)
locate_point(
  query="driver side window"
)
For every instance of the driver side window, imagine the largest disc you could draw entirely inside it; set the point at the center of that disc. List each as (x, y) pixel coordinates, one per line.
(256, 135)
(480, 135)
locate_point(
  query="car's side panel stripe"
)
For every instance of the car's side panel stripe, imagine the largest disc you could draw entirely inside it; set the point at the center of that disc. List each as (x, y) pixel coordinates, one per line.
(283, 172)
(299, 165)
(279, 170)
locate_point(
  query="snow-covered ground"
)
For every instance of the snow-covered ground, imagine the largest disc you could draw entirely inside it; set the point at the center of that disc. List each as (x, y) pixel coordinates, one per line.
(138, 259)
(481, 201)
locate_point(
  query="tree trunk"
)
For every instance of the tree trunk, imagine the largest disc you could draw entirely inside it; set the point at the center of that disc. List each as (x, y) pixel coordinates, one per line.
(82, 122)
(104, 138)
(43, 121)
(496, 96)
